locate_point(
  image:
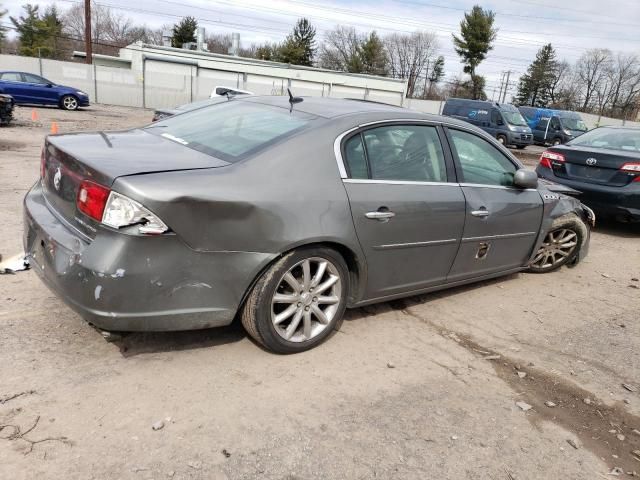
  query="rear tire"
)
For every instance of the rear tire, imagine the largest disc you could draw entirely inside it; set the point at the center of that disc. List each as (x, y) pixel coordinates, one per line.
(561, 244)
(299, 301)
(69, 102)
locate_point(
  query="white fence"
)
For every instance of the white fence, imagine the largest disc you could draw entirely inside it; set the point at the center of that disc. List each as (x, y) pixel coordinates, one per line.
(166, 84)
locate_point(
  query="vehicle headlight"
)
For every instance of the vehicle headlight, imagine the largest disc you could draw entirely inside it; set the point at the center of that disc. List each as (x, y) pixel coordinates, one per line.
(567, 132)
(121, 211)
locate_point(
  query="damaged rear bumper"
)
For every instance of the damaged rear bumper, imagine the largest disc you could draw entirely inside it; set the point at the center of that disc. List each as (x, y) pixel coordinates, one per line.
(122, 282)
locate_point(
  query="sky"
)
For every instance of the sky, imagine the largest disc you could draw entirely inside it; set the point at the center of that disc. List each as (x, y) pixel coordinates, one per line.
(572, 26)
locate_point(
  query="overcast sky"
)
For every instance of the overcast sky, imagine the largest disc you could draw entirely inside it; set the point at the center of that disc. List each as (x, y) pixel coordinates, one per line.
(572, 26)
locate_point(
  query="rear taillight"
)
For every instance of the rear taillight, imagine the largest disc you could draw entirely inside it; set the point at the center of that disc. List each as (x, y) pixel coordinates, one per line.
(632, 168)
(43, 167)
(548, 157)
(92, 199)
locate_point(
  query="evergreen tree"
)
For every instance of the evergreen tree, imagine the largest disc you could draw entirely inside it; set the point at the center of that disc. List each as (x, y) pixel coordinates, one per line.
(373, 56)
(35, 33)
(435, 74)
(2, 28)
(52, 25)
(300, 45)
(536, 86)
(184, 32)
(476, 39)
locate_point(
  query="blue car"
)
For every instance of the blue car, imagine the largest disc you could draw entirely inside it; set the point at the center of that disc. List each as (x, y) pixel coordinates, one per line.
(27, 88)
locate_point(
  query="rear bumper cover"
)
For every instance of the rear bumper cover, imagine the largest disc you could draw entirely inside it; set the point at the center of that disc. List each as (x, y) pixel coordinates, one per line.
(122, 282)
(605, 200)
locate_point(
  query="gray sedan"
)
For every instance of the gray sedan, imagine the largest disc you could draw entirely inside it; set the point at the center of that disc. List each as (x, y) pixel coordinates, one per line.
(282, 213)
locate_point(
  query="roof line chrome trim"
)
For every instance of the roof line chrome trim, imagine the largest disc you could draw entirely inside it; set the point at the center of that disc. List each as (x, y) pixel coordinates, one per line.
(337, 150)
(398, 182)
(498, 237)
(415, 244)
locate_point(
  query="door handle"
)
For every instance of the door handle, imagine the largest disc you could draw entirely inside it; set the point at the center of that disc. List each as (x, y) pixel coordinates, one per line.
(483, 212)
(380, 216)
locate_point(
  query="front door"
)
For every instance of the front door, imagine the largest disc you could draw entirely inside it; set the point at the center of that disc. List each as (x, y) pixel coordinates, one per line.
(407, 214)
(40, 90)
(501, 221)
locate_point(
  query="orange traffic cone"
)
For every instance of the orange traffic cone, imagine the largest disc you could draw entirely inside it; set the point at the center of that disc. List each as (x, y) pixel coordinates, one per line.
(54, 128)
(34, 115)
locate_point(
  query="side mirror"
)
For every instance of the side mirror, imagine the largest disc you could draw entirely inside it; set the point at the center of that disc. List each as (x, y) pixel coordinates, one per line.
(49, 85)
(524, 178)
(500, 121)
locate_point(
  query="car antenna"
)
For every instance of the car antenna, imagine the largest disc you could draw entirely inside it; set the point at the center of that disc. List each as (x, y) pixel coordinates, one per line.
(293, 99)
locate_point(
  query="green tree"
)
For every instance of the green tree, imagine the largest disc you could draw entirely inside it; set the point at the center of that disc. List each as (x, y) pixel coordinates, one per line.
(536, 86)
(476, 40)
(37, 34)
(2, 28)
(51, 26)
(264, 52)
(435, 74)
(373, 56)
(300, 46)
(184, 32)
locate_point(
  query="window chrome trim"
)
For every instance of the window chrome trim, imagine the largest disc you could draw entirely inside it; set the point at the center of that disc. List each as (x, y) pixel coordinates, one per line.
(502, 187)
(398, 182)
(337, 144)
(415, 244)
(499, 237)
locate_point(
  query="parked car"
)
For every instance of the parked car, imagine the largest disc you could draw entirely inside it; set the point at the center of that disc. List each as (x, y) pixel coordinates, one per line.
(6, 109)
(228, 91)
(500, 120)
(30, 89)
(603, 164)
(161, 113)
(553, 127)
(284, 214)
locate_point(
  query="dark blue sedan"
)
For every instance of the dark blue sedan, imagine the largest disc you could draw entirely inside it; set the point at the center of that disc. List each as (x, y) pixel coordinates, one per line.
(27, 88)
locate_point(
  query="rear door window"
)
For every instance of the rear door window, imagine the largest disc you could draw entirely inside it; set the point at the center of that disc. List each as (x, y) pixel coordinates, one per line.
(12, 77)
(232, 130)
(405, 153)
(480, 161)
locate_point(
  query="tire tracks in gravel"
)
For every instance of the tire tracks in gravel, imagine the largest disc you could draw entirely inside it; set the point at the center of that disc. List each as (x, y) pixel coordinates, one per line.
(598, 426)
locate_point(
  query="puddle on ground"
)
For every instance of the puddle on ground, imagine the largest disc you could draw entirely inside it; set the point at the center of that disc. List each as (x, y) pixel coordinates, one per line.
(595, 424)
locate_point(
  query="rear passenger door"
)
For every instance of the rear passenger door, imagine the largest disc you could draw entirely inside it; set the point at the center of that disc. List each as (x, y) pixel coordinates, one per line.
(501, 221)
(407, 209)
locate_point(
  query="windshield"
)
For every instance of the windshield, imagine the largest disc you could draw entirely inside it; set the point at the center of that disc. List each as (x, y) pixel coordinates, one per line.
(570, 123)
(231, 130)
(514, 118)
(610, 138)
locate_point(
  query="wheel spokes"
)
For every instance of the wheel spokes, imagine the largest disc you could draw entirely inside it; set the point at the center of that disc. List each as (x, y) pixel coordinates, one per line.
(293, 282)
(326, 284)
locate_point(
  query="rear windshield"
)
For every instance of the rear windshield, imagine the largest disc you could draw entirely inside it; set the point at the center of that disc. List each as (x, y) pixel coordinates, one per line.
(610, 138)
(232, 130)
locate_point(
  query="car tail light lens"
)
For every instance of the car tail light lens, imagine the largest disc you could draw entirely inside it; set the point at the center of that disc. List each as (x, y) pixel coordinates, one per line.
(121, 211)
(92, 199)
(547, 157)
(632, 168)
(43, 167)
(116, 210)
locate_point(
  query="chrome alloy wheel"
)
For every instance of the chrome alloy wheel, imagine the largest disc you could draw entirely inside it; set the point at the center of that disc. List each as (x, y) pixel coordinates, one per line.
(306, 299)
(557, 246)
(70, 103)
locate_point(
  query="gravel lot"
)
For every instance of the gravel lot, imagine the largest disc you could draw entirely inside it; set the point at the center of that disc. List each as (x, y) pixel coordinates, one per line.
(428, 387)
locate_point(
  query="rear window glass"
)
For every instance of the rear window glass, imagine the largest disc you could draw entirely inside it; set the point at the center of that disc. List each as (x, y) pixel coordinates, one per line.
(232, 130)
(610, 138)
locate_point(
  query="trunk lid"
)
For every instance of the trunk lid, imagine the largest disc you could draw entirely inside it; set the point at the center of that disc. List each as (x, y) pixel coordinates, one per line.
(600, 166)
(104, 156)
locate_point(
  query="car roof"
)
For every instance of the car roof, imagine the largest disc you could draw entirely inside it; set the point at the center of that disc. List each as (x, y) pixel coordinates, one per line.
(343, 107)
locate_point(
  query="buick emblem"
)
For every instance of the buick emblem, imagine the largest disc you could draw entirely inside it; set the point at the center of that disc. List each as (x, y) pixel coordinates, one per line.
(56, 179)
(591, 161)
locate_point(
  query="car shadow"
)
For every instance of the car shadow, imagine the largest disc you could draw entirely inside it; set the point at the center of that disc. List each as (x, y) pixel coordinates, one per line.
(610, 226)
(140, 343)
(425, 298)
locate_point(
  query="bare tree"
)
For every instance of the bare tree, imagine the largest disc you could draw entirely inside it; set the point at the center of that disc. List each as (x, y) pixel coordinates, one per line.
(592, 69)
(625, 82)
(219, 42)
(339, 51)
(409, 55)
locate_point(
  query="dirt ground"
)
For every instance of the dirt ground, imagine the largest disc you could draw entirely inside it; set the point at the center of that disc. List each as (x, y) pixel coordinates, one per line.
(425, 388)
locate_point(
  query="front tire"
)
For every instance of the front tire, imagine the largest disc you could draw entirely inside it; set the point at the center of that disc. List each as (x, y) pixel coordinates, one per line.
(502, 139)
(69, 102)
(561, 245)
(299, 301)
(556, 142)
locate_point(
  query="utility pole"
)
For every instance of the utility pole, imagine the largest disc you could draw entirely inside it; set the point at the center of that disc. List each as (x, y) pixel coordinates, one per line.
(87, 31)
(506, 87)
(501, 83)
